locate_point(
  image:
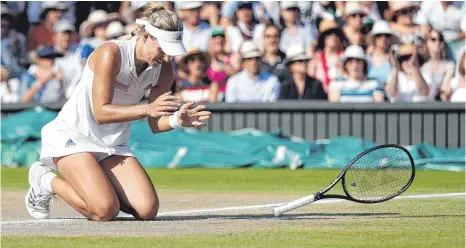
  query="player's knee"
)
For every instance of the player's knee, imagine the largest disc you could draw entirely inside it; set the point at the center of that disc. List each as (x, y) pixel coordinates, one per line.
(105, 211)
(148, 210)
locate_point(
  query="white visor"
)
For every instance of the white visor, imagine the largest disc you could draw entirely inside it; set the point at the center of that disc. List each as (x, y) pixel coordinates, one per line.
(171, 42)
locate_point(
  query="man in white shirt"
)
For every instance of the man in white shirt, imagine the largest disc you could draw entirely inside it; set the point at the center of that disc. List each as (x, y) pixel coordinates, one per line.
(252, 84)
(196, 33)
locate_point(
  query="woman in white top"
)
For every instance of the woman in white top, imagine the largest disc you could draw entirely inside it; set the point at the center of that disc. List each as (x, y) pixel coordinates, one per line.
(88, 141)
(437, 70)
(405, 82)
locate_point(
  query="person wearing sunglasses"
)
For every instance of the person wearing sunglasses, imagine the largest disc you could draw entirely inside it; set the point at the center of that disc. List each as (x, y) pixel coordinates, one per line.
(252, 84)
(354, 15)
(401, 16)
(381, 39)
(293, 31)
(356, 86)
(406, 82)
(437, 70)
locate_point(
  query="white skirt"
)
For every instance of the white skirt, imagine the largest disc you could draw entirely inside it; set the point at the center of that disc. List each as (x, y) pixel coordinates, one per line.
(58, 142)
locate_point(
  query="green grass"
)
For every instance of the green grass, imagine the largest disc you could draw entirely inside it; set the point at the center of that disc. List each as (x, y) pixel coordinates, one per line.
(258, 180)
(397, 223)
(431, 224)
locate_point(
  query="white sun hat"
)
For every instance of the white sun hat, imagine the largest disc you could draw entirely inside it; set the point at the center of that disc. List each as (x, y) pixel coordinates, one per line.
(381, 27)
(171, 42)
(63, 25)
(189, 5)
(249, 50)
(352, 8)
(289, 4)
(115, 29)
(354, 52)
(296, 52)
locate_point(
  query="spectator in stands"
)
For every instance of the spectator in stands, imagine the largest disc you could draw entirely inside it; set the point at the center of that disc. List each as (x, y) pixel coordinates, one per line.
(115, 30)
(13, 45)
(401, 14)
(210, 12)
(195, 87)
(95, 27)
(245, 28)
(42, 34)
(69, 63)
(328, 10)
(330, 47)
(447, 18)
(252, 84)
(220, 68)
(294, 32)
(459, 82)
(230, 8)
(372, 11)
(354, 15)
(437, 70)
(273, 58)
(43, 81)
(196, 33)
(356, 87)
(299, 85)
(381, 40)
(9, 87)
(406, 83)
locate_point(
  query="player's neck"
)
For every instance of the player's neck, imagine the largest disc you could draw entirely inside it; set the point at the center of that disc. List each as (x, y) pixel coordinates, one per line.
(139, 62)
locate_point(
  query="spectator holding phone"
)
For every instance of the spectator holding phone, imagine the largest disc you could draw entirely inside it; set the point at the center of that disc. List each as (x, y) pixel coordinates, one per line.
(459, 82)
(356, 87)
(381, 39)
(406, 83)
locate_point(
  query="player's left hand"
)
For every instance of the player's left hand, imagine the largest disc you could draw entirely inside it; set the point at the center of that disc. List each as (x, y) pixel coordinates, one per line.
(190, 116)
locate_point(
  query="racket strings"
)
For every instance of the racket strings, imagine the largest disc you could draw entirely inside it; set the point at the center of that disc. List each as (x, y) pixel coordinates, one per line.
(378, 175)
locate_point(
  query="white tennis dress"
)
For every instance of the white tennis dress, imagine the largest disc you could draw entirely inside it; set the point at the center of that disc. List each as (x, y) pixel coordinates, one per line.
(75, 129)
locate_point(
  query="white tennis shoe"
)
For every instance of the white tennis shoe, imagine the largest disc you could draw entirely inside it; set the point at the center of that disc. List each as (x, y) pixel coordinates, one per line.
(37, 198)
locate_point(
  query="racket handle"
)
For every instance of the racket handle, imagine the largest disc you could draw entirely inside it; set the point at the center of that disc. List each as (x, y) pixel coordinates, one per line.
(294, 204)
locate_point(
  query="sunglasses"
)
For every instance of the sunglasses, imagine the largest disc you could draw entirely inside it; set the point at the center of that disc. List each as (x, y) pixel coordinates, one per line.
(382, 35)
(194, 58)
(435, 39)
(404, 58)
(357, 14)
(293, 9)
(406, 12)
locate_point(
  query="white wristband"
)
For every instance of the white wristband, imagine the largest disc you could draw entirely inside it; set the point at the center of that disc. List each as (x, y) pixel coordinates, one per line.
(173, 121)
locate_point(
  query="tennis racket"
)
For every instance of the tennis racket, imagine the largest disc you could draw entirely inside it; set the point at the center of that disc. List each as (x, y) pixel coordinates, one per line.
(376, 175)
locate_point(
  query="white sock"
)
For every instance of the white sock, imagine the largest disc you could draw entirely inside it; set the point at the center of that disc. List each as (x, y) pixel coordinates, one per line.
(46, 181)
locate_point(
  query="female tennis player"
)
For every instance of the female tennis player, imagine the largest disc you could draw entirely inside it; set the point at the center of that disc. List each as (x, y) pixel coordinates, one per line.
(88, 141)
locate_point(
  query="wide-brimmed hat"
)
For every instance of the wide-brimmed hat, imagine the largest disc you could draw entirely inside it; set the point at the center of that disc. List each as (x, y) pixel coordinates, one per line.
(217, 31)
(289, 4)
(296, 52)
(396, 6)
(352, 8)
(6, 12)
(49, 5)
(354, 52)
(381, 27)
(325, 28)
(63, 25)
(114, 30)
(95, 18)
(195, 51)
(249, 50)
(48, 52)
(189, 5)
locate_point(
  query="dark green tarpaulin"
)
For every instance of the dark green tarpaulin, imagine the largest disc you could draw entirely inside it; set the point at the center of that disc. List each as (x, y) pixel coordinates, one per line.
(247, 147)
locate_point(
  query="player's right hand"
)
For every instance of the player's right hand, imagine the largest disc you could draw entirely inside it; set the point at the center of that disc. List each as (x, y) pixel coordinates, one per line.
(164, 105)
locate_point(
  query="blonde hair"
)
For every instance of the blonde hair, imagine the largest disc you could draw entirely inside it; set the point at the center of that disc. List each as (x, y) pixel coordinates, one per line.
(158, 17)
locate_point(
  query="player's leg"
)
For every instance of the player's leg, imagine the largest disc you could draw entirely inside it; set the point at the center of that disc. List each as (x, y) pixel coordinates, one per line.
(85, 187)
(133, 186)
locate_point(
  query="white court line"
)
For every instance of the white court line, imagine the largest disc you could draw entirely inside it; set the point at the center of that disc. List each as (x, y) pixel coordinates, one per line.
(235, 208)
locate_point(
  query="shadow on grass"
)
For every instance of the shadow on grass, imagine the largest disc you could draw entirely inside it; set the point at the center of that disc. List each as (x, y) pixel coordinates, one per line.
(301, 216)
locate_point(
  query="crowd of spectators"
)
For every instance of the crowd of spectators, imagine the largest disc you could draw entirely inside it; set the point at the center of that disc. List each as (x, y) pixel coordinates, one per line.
(366, 51)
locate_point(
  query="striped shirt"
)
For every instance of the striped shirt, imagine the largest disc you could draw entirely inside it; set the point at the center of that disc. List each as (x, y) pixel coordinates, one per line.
(356, 91)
